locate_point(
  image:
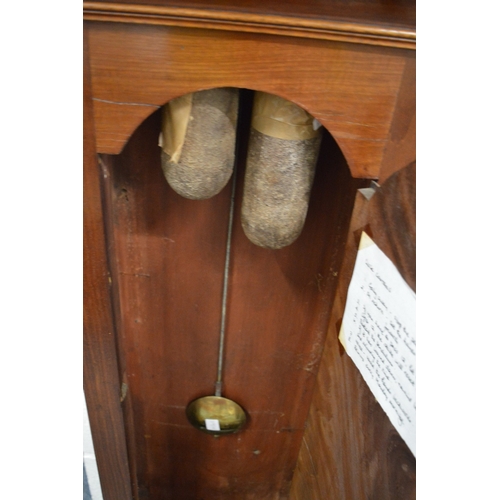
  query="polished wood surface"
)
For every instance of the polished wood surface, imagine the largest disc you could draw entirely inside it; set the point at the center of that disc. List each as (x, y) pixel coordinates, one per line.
(352, 66)
(100, 373)
(401, 146)
(390, 23)
(352, 90)
(350, 449)
(168, 267)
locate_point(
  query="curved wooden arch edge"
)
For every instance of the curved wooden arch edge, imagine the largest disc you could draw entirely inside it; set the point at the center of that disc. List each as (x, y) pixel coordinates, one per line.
(352, 90)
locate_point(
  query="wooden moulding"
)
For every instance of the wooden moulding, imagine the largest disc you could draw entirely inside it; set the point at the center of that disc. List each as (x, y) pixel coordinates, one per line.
(364, 33)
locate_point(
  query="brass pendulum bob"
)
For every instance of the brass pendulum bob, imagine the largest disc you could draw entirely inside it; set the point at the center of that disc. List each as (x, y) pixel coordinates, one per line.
(217, 415)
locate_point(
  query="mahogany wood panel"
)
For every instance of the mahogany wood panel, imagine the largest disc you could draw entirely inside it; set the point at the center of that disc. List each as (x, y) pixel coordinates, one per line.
(350, 64)
(390, 23)
(401, 147)
(350, 449)
(168, 258)
(391, 13)
(100, 373)
(351, 89)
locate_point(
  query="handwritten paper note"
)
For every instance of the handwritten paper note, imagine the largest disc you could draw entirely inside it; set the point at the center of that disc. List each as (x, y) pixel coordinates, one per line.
(378, 332)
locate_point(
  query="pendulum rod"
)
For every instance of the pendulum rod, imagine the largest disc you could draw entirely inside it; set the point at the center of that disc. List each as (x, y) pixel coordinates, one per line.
(218, 383)
(217, 415)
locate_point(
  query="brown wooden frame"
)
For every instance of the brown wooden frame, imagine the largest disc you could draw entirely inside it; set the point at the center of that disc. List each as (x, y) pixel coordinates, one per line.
(355, 75)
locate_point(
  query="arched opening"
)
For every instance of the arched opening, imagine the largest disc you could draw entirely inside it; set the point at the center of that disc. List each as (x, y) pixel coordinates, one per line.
(167, 259)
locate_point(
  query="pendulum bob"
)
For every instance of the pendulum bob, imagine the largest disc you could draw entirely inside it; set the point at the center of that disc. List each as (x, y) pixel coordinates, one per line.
(282, 154)
(198, 141)
(227, 415)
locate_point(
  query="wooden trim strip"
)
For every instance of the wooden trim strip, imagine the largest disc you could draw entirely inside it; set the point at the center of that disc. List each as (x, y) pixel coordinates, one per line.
(262, 23)
(100, 360)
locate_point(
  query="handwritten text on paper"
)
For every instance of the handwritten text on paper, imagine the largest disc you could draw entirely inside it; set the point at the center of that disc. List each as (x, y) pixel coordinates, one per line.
(378, 333)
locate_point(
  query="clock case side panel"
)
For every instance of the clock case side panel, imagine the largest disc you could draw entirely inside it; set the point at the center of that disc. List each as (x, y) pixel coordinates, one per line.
(100, 374)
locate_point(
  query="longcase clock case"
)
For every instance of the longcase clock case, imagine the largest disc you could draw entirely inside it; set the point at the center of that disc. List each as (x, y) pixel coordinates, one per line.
(154, 261)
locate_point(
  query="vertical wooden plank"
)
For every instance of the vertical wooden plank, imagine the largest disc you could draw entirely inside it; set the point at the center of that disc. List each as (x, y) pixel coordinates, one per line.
(401, 145)
(350, 449)
(101, 382)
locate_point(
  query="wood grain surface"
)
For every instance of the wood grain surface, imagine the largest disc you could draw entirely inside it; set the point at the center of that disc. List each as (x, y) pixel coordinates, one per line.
(154, 261)
(391, 14)
(100, 372)
(390, 23)
(168, 258)
(350, 449)
(352, 90)
(401, 146)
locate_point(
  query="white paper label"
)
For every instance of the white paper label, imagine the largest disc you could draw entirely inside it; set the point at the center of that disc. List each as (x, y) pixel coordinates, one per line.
(212, 424)
(379, 334)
